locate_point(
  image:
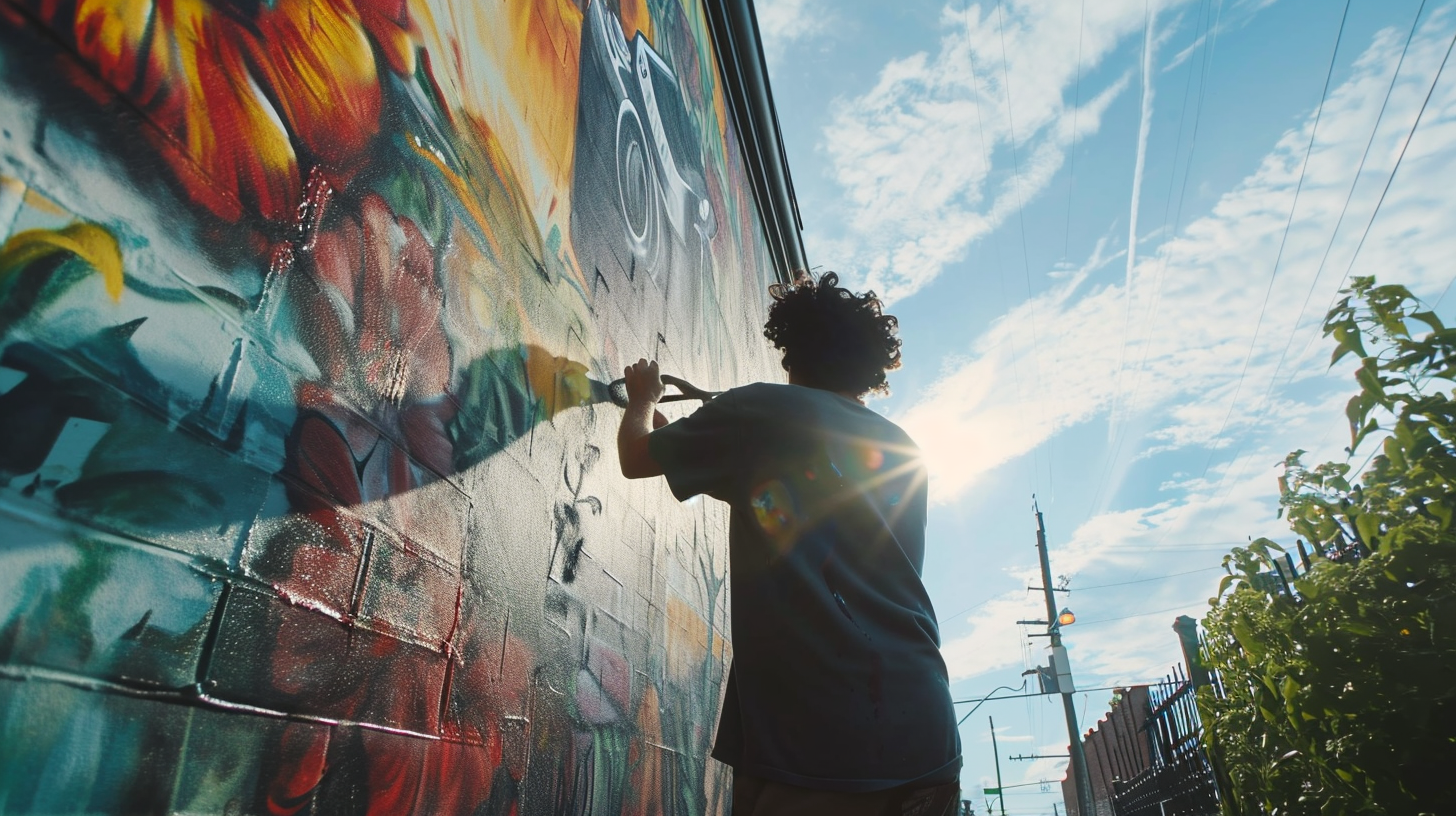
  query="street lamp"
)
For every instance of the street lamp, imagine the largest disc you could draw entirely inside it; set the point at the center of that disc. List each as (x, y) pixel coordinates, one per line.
(1062, 669)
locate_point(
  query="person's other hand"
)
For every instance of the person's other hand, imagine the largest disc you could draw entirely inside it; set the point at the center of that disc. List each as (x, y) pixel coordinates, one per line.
(644, 383)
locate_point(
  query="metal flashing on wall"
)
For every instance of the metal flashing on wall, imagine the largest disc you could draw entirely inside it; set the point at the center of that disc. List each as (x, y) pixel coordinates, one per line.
(734, 29)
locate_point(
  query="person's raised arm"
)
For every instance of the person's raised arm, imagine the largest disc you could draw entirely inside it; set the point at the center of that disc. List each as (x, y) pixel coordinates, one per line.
(644, 390)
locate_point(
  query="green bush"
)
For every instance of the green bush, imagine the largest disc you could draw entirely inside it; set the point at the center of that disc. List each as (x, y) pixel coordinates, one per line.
(1340, 690)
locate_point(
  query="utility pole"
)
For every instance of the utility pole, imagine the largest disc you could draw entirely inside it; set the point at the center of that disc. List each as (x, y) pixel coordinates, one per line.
(1000, 791)
(1080, 781)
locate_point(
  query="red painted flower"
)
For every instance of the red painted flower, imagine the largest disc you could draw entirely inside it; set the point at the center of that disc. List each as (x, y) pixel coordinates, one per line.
(370, 434)
(368, 309)
(241, 99)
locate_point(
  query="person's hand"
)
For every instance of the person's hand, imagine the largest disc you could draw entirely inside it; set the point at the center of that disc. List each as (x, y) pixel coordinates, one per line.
(644, 383)
(644, 390)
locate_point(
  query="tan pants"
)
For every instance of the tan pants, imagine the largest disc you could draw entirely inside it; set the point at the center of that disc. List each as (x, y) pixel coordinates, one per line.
(753, 796)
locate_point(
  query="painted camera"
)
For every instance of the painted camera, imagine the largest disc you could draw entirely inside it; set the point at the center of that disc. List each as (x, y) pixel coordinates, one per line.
(639, 194)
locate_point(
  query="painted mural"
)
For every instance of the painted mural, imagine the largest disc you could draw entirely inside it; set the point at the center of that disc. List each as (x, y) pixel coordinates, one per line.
(306, 312)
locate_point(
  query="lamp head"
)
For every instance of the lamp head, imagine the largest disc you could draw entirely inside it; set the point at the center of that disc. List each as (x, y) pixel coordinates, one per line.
(1065, 617)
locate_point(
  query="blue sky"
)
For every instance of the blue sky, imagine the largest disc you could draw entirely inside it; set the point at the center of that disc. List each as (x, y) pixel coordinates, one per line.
(988, 167)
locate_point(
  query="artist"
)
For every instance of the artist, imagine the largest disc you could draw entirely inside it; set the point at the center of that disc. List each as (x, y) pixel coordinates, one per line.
(838, 700)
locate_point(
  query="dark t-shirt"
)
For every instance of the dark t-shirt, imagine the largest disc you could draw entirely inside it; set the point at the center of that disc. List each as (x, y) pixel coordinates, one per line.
(837, 680)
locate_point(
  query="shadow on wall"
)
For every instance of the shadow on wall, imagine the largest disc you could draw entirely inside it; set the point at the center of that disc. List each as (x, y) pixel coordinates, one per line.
(302, 338)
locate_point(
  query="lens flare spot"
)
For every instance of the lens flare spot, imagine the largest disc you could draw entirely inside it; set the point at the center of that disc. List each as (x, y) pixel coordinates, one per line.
(773, 507)
(874, 458)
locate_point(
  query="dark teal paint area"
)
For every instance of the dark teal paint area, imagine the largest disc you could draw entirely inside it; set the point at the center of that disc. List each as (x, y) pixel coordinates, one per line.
(95, 606)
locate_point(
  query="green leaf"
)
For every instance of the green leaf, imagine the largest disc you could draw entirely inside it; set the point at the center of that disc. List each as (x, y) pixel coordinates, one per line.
(1430, 319)
(1223, 584)
(1360, 434)
(1356, 627)
(1368, 526)
(1369, 379)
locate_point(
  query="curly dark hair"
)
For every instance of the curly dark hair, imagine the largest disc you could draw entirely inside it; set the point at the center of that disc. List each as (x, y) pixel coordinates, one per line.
(831, 337)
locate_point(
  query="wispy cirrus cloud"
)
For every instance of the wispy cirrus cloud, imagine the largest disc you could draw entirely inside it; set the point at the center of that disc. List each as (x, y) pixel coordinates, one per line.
(914, 154)
(1175, 378)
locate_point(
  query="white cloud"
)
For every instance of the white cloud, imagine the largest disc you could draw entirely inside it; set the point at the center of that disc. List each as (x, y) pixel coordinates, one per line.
(1048, 768)
(911, 153)
(1198, 298)
(1178, 542)
(992, 643)
(782, 23)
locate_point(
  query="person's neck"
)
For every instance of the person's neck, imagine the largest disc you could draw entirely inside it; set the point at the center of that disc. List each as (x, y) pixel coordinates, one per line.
(849, 395)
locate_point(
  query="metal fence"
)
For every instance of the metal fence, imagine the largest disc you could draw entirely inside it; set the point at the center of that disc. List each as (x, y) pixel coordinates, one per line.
(1180, 780)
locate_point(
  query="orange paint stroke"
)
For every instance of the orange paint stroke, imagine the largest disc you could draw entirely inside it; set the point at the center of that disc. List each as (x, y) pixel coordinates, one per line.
(507, 72)
(36, 200)
(635, 18)
(458, 185)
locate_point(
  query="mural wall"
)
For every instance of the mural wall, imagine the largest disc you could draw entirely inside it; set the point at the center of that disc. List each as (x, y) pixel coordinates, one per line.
(308, 499)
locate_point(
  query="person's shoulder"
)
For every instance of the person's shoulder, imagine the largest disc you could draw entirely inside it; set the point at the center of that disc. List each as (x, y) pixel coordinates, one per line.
(782, 399)
(760, 388)
(797, 402)
(759, 393)
(900, 436)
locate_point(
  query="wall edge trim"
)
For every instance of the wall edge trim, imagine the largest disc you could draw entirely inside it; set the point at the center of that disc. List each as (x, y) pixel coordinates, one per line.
(733, 26)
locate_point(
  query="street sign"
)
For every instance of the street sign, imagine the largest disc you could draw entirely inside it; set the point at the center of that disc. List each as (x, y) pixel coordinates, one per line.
(992, 791)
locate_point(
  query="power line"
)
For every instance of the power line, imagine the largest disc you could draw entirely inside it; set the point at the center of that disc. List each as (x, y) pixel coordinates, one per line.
(1437, 304)
(1151, 311)
(1349, 196)
(1030, 785)
(1263, 407)
(1176, 548)
(1072, 155)
(995, 237)
(1389, 180)
(1253, 342)
(1145, 580)
(1015, 158)
(967, 609)
(1279, 256)
(1128, 617)
(1210, 42)
(1145, 126)
(1041, 694)
(1021, 221)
